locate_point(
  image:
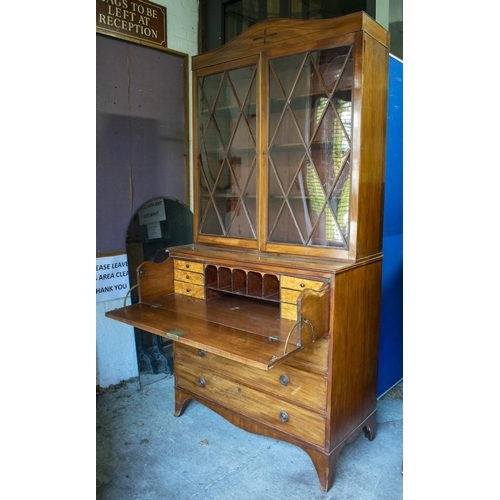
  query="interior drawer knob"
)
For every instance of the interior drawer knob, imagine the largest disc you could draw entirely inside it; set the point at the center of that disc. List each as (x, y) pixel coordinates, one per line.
(202, 382)
(201, 352)
(284, 380)
(284, 416)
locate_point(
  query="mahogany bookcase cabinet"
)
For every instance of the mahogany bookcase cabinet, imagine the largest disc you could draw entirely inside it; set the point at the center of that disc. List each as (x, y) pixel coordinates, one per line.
(274, 309)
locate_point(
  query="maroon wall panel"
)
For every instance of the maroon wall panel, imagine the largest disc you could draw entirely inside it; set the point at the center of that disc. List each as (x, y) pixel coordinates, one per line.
(141, 148)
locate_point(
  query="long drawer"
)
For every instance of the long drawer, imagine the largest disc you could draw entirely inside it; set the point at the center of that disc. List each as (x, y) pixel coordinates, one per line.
(306, 388)
(313, 357)
(281, 415)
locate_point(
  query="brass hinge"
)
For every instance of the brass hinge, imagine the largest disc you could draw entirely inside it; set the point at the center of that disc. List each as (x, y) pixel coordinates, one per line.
(175, 333)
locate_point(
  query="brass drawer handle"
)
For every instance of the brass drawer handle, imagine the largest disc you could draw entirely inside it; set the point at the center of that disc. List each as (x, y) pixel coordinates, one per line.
(201, 352)
(284, 380)
(188, 290)
(187, 266)
(187, 276)
(284, 416)
(202, 382)
(302, 285)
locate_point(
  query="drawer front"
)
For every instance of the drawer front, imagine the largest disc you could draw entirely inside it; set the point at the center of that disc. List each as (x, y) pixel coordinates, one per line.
(313, 357)
(241, 399)
(284, 381)
(288, 311)
(188, 276)
(299, 283)
(290, 296)
(194, 267)
(189, 289)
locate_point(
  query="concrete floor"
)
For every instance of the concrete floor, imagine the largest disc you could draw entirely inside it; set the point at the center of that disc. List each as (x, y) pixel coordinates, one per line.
(144, 452)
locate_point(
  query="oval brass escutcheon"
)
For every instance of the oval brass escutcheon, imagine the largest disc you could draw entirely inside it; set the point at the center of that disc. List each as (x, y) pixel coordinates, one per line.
(201, 352)
(284, 416)
(201, 382)
(284, 380)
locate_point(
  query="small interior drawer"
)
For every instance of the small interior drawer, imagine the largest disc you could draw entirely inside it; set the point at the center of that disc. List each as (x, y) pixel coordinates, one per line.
(289, 311)
(189, 289)
(187, 265)
(300, 283)
(188, 276)
(289, 296)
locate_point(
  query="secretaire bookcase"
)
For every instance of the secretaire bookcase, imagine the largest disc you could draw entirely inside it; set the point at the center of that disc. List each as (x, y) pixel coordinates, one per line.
(274, 310)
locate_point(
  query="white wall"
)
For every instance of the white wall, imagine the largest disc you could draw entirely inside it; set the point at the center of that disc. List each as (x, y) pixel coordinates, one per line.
(116, 359)
(115, 344)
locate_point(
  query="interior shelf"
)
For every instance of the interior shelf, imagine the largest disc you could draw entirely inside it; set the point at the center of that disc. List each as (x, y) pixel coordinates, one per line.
(241, 282)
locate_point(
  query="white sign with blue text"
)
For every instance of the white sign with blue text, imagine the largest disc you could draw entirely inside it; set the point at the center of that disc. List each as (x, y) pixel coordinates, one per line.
(111, 277)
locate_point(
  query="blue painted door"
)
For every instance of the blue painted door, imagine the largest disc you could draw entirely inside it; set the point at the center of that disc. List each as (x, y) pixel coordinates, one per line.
(390, 369)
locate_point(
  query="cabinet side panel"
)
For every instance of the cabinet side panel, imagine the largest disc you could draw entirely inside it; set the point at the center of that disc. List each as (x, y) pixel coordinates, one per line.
(155, 279)
(354, 354)
(373, 145)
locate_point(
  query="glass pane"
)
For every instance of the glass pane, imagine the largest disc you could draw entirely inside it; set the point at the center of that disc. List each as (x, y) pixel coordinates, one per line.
(227, 153)
(310, 147)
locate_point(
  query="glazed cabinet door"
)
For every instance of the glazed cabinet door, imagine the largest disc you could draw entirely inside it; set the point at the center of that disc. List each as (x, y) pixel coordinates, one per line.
(226, 153)
(310, 150)
(290, 146)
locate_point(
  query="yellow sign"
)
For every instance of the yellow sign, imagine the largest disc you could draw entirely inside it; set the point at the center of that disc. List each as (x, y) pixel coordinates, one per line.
(136, 20)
